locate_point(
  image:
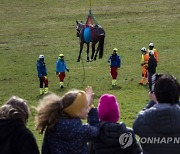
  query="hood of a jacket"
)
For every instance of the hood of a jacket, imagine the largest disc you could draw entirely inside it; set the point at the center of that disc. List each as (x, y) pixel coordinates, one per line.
(111, 133)
(8, 127)
(164, 118)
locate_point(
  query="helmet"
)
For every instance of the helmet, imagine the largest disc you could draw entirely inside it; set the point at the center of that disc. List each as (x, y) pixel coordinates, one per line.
(61, 55)
(143, 49)
(115, 49)
(151, 52)
(41, 56)
(151, 44)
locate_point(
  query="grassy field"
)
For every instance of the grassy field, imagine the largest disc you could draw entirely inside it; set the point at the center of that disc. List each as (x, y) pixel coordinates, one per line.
(32, 27)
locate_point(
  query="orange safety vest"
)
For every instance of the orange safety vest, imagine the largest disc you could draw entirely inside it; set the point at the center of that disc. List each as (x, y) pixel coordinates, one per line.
(144, 59)
(155, 54)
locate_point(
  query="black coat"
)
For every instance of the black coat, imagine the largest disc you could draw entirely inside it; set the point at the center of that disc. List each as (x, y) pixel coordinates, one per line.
(109, 140)
(152, 64)
(15, 138)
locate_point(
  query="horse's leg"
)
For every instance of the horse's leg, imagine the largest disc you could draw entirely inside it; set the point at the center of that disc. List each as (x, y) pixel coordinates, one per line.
(87, 51)
(80, 51)
(93, 50)
(101, 46)
(96, 52)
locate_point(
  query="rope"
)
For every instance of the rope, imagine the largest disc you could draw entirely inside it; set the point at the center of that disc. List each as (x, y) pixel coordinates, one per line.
(83, 70)
(90, 4)
(90, 14)
(83, 79)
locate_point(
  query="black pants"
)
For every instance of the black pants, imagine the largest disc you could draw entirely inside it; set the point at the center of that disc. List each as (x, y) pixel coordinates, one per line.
(43, 81)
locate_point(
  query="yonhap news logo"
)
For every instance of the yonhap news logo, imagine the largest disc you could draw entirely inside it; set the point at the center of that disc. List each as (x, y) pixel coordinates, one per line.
(159, 140)
(125, 140)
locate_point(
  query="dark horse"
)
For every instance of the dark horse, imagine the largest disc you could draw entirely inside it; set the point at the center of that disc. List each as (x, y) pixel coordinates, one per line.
(90, 34)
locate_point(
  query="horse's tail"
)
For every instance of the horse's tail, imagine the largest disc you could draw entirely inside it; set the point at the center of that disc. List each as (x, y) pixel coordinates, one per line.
(101, 46)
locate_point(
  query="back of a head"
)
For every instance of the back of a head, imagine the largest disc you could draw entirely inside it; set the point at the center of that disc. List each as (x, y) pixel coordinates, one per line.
(151, 53)
(167, 89)
(20, 106)
(108, 108)
(8, 112)
(151, 44)
(52, 108)
(143, 50)
(115, 51)
(49, 110)
(61, 56)
(41, 58)
(78, 101)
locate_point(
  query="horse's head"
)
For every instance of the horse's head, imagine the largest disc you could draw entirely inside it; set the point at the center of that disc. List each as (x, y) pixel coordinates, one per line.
(79, 27)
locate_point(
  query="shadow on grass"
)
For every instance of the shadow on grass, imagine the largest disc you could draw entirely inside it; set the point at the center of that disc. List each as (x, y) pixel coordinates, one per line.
(41, 96)
(61, 91)
(146, 87)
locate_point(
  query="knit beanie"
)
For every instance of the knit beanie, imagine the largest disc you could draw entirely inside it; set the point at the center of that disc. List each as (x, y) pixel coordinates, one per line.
(108, 108)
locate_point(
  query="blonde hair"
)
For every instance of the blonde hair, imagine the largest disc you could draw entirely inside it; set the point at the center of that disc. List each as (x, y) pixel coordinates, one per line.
(15, 108)
(51, 109)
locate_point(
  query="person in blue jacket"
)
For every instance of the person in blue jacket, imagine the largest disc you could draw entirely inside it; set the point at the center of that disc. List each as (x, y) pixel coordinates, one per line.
(42, 74)
(115, 64)
(60, 119)
(61, 68)
(158, 125)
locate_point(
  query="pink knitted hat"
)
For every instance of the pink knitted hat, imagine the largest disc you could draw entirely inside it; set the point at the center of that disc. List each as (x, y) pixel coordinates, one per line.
(108, 108)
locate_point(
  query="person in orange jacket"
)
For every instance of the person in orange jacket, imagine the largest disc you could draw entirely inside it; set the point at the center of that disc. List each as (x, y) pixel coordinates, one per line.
(144, 64)
(155, 52)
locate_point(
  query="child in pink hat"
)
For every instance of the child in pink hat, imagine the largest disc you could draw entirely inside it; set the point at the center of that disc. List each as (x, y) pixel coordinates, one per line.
(108, 108)
(114, 137)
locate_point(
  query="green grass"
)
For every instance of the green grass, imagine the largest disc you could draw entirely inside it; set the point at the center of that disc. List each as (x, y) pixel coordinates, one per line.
(33, 27)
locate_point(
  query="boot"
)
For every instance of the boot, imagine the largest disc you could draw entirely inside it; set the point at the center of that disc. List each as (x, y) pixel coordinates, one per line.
(61, 84)
(45, 90)
(41, 91)
(146, 81)
(113, 82)
(142, 81)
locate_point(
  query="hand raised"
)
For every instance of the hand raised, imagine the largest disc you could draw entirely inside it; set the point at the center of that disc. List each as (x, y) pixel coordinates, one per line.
(90, 94)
